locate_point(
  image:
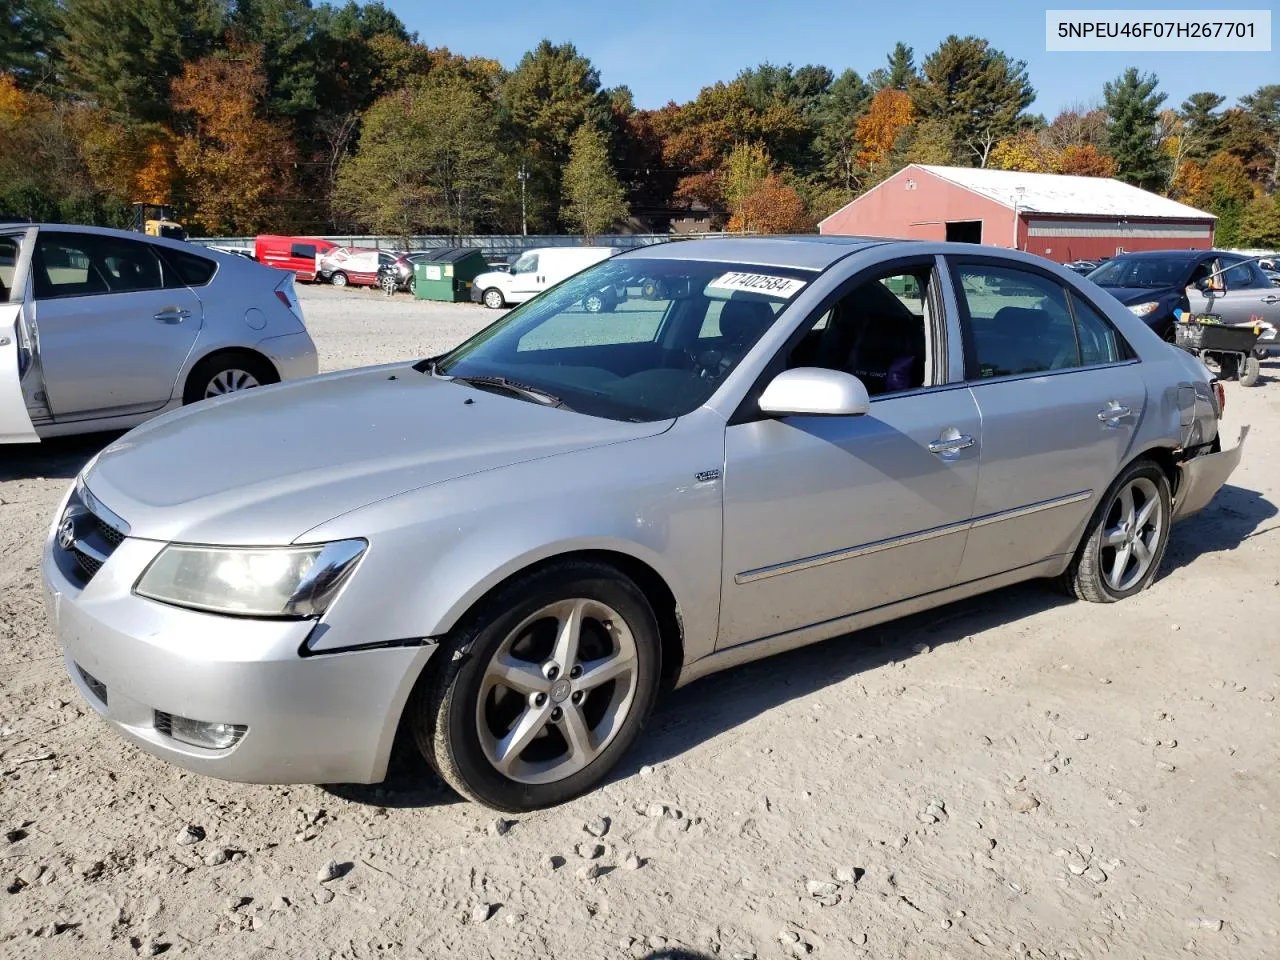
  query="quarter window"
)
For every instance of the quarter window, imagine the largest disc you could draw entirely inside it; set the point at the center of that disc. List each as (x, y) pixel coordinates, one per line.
(1099, 342)
(67, 265)
(1017, 323)
(188, 269)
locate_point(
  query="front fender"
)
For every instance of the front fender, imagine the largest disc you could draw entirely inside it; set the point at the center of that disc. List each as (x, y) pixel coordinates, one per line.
(433, 553)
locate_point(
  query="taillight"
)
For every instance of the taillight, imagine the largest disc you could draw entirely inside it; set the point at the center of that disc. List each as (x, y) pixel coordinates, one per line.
(1221, 393)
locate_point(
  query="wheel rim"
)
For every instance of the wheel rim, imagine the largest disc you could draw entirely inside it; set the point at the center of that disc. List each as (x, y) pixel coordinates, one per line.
(339, 280)
(493, 299)
(594, 303)
(1131, 534)
(230, 381)
(557, 691)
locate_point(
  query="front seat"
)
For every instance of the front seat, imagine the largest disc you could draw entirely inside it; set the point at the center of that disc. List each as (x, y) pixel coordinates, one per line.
(879, 340)
(742, 323)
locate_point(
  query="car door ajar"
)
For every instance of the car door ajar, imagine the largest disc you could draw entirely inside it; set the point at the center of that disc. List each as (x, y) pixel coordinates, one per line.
(829, 516)
(1060, 398)
(16, 343)
(115, 328)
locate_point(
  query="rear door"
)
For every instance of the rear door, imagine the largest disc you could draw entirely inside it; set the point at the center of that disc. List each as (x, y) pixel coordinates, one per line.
(17, 345)
(112, 335)
(1060, 396)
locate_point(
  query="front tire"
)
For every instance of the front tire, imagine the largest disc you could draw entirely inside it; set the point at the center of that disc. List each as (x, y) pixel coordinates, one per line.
(493, 299)
(542, 688)
(1125, 541)
(338, 279)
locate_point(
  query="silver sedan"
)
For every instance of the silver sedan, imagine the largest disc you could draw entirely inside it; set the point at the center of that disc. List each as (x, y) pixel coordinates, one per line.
(101, 329)
(504, 550)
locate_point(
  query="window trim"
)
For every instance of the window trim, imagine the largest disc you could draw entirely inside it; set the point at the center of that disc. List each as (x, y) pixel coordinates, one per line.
(964, 320)
(748, 408)
(38, 252)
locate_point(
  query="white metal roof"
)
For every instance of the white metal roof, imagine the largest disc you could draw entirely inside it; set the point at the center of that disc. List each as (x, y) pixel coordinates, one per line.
(1058, 193)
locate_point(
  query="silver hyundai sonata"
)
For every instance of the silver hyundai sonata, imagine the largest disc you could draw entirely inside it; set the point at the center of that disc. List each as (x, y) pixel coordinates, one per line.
(506, 548)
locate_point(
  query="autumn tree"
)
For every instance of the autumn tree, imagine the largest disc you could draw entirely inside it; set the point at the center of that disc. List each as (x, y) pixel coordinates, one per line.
(1026, 152)
(426, 161)
(929, 141)
(1228, 192)
(1260, 225)
(746, 168)
(889, 113)
(1077, 126)
(1133, 103)
(594, 199)
(1086, 161)
(772, 207)
(976, 89)
(237, 164)
(1263, 106)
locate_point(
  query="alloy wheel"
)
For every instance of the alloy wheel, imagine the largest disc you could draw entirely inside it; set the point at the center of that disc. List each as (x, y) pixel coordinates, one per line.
(493, 299)
(230, 381)
(557, 691)
(1131, 534)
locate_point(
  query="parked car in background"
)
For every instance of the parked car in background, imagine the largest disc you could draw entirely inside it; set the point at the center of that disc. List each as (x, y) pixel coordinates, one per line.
(1082, 267)
(1155, 284)
(535, 270)
(102, 329)
(299, 255)
(500, 552)
(353, 266)
(233, 251)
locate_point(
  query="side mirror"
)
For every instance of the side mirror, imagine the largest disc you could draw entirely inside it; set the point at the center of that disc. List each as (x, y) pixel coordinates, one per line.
(815, 392)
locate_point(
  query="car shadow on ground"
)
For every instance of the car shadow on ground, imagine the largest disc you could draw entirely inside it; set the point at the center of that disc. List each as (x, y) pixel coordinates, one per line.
(690, 716)
(61, 457)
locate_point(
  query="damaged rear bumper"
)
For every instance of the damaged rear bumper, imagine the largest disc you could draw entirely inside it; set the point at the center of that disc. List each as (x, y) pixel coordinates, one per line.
(1202, 477)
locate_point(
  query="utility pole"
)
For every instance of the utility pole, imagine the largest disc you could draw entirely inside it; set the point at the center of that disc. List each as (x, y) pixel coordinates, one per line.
(523, 177)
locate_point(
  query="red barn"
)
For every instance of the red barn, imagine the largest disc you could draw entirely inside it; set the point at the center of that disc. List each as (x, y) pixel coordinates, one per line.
(1059, 217)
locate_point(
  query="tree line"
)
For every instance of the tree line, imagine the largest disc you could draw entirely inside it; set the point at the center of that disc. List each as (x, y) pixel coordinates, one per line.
(284, 115)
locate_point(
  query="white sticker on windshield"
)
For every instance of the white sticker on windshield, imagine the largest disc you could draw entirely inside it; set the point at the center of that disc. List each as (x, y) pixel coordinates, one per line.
(783, 287)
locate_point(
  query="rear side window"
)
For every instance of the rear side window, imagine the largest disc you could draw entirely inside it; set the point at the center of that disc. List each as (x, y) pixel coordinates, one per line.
(306, 251)
(1017, 323)
(189, 269)
(71, 265)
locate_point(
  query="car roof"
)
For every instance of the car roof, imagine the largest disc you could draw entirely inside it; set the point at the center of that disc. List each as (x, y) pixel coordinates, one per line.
(810, 252)
(1165, 254)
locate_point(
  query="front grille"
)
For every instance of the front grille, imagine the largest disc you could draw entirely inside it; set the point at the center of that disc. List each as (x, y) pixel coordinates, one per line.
(85, 537)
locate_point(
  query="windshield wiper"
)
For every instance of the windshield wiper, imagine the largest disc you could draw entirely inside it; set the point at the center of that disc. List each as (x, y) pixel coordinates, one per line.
(522, 390)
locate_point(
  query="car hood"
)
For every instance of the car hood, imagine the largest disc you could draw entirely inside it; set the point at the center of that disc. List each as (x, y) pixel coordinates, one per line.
(1128, 295)
(266, 466)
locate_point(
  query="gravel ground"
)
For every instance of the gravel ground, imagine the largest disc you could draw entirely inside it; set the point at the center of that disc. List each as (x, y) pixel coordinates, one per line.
(1011, 776)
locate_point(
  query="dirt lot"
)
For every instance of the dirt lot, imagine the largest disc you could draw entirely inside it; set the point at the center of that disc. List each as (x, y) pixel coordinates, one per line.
(1012, 776)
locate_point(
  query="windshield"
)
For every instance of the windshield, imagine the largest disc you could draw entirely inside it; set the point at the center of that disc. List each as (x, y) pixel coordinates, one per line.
(1141, 272)
(632, 339)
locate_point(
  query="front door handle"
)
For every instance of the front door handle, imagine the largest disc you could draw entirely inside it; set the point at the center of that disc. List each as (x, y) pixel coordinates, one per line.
(1271, 299)
(1113, 413)
(172, 315)
(951, 444)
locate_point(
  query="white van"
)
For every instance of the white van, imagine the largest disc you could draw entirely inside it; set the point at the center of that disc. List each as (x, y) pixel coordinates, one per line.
(535, 271)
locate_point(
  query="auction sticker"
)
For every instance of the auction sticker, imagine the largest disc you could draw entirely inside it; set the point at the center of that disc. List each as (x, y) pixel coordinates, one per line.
(782, 287)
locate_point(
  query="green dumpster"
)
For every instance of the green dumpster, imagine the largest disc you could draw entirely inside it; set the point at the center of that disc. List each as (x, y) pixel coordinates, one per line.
(446, 273)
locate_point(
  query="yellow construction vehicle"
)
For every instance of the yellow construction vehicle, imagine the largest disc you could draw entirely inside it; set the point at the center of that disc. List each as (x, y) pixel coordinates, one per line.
(157, 220)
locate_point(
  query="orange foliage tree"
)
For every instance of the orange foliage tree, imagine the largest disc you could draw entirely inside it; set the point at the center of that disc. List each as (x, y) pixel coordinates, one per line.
(772, 207)
(237, 165)
(889, 113)
(1086, 161)
(1026, 152)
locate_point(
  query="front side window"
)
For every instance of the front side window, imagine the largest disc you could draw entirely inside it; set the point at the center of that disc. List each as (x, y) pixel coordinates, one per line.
(630, 339)
(878, 332)
(1237, 275)
(526, 264)
(1016, 323)
(70, 265)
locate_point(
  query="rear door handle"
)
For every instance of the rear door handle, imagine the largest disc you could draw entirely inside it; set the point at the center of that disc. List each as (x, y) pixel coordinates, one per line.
(1113, 413)
(954, 444)
(172, 315)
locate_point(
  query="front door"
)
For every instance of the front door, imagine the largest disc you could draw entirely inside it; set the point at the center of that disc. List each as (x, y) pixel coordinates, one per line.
(16, 343)
(1247, 295)
(825, 517)
(1060, 399)
(526, 281)
(115, 327)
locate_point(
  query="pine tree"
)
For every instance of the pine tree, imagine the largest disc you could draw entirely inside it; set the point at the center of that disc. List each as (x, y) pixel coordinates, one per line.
(1203, 130)
(1133, 106)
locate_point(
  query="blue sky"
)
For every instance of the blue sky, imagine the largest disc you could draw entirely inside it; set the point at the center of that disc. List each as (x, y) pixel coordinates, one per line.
(669, 49)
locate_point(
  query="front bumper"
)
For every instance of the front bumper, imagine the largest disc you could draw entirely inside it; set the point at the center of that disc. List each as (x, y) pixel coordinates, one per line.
(477, 295)
(1203, 476)
(324, 718)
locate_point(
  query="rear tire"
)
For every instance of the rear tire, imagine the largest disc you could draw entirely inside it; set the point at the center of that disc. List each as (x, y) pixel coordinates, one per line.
(508, 724)
(1126, 538)
(225, 373)
(338, 279)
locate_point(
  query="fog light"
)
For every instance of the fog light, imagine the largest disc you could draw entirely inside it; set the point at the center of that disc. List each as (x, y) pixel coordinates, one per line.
(199, 733)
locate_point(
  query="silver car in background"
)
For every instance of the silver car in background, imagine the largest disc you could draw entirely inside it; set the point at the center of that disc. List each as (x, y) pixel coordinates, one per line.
(101, 329)
(503, 550)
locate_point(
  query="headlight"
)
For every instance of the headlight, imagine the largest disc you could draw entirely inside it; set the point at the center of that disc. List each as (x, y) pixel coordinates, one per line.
(1142, 309)
(251, 581)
